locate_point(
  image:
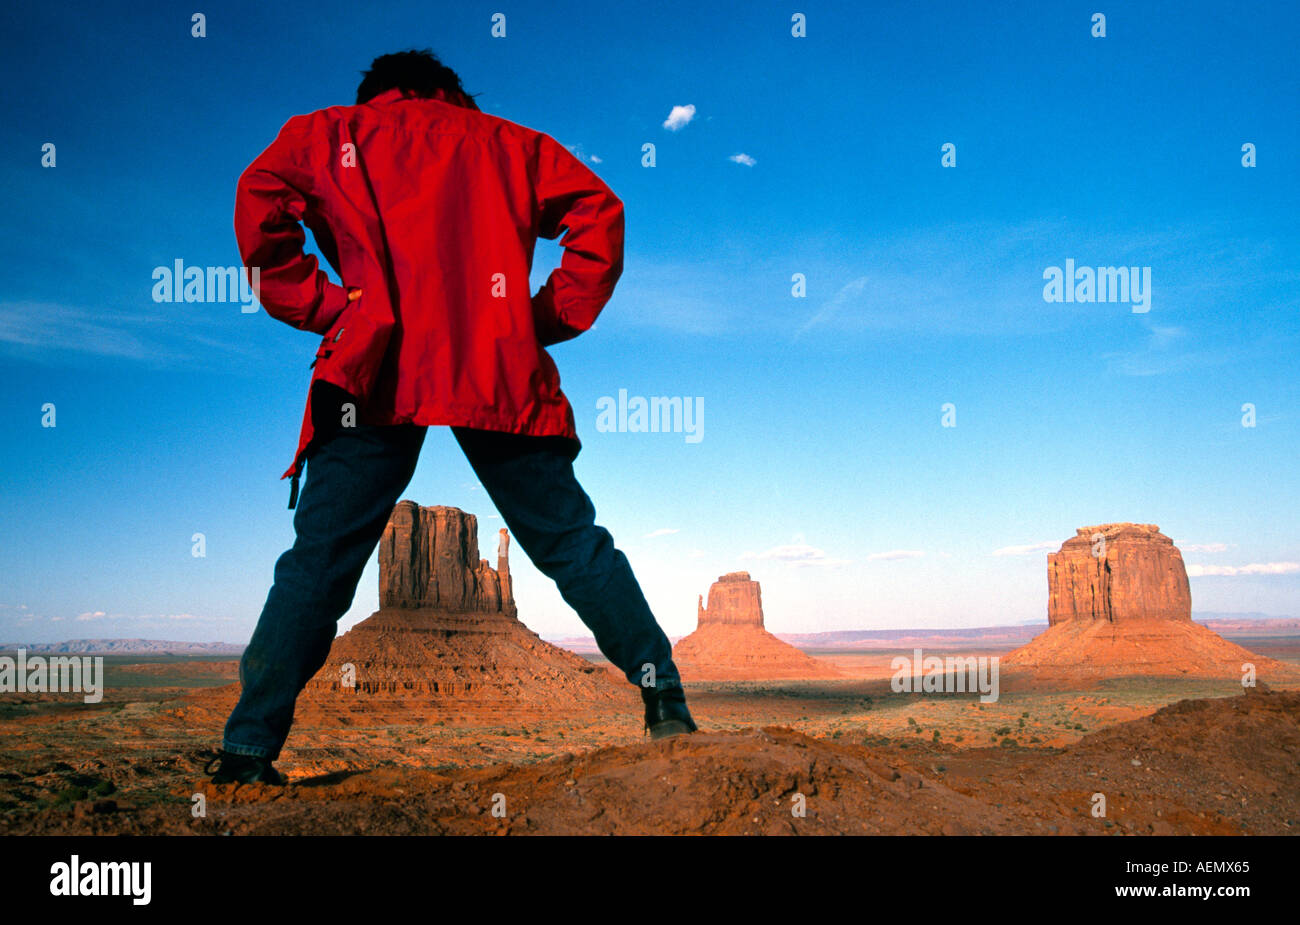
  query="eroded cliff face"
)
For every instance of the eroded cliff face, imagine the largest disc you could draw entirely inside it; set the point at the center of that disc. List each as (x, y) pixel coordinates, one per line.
(1116, 573)
(447, 632)
(734, 600)
(428, 558)
(730, 643)
(1119, 605)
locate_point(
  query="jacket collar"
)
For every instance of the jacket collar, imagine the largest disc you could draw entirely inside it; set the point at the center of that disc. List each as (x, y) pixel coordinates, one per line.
(397, 94)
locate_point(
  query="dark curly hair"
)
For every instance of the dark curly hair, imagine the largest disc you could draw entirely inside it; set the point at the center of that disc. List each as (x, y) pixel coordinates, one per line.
(418, 71)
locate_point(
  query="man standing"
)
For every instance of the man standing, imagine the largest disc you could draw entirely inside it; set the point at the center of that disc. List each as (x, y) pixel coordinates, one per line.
(429, 210)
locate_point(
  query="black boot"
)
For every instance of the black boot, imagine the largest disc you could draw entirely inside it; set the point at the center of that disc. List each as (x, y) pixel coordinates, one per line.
(665, 712)
(243, 769)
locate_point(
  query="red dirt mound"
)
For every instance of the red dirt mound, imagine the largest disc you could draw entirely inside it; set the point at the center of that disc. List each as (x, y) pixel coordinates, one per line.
(1179, 771)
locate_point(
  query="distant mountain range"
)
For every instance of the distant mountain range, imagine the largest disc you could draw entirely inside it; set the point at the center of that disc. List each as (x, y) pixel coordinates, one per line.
(126, 647)
(1230, 625)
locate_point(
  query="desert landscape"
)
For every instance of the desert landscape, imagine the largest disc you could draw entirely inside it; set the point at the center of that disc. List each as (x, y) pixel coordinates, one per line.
(444, 714)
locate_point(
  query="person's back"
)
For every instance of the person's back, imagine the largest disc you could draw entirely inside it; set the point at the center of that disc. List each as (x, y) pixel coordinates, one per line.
(433, 209)
(429, 211)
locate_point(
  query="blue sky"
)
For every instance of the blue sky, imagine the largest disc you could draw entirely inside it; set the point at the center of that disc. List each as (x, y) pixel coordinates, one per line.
(823, 469)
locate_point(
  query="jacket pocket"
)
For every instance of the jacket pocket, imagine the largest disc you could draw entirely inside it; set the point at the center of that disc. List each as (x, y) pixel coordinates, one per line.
(332, 337)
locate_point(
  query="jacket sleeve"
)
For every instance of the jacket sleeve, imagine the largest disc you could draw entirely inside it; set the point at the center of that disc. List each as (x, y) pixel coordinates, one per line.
(573, 199)
(270, 202)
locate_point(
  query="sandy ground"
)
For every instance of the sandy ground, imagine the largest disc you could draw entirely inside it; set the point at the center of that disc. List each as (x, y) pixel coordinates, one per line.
(791, 757)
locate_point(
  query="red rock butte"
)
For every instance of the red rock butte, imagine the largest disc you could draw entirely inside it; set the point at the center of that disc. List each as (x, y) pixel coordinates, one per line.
(730, 643)
(447, 631)
(1119, 605)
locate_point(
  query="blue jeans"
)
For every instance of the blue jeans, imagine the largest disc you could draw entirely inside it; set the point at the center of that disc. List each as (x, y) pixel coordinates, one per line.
(352, 482)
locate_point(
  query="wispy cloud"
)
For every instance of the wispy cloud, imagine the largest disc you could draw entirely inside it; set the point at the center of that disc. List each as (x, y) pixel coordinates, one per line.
(1025, 550)
(679, 117)
(161, 337)
(848, 293)
(742, 158)
(796, 554)
(686, 298)
(150, 618)
(1166, 348)
(1204, 547)
(1255, 568)
(577, 151)
(985, 278)
(52, 327)
(895, 554)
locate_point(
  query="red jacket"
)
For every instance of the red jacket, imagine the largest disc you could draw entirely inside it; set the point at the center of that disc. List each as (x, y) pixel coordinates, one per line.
(433, 210)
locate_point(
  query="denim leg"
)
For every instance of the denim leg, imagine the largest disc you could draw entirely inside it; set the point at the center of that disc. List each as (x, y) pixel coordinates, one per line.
(352, 483)
(532, 484)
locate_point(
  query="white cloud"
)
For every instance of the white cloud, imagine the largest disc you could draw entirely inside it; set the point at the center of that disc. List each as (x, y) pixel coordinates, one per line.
(743, 158)
(49, 326)
(1204, 547)
(680, 117)
(101, 615)
(796, 554)
(1166, 349)
(849, 292)
(580, 154)
(1024, 550)
(1255, 568)
(895, 554)
(662, 531)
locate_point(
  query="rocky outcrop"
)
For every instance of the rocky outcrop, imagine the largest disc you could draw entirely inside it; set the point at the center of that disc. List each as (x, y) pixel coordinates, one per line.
(447, 632)
(1119, 605)
(734, 600)
(428, 558)
(1117, 572)
(730, 643)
